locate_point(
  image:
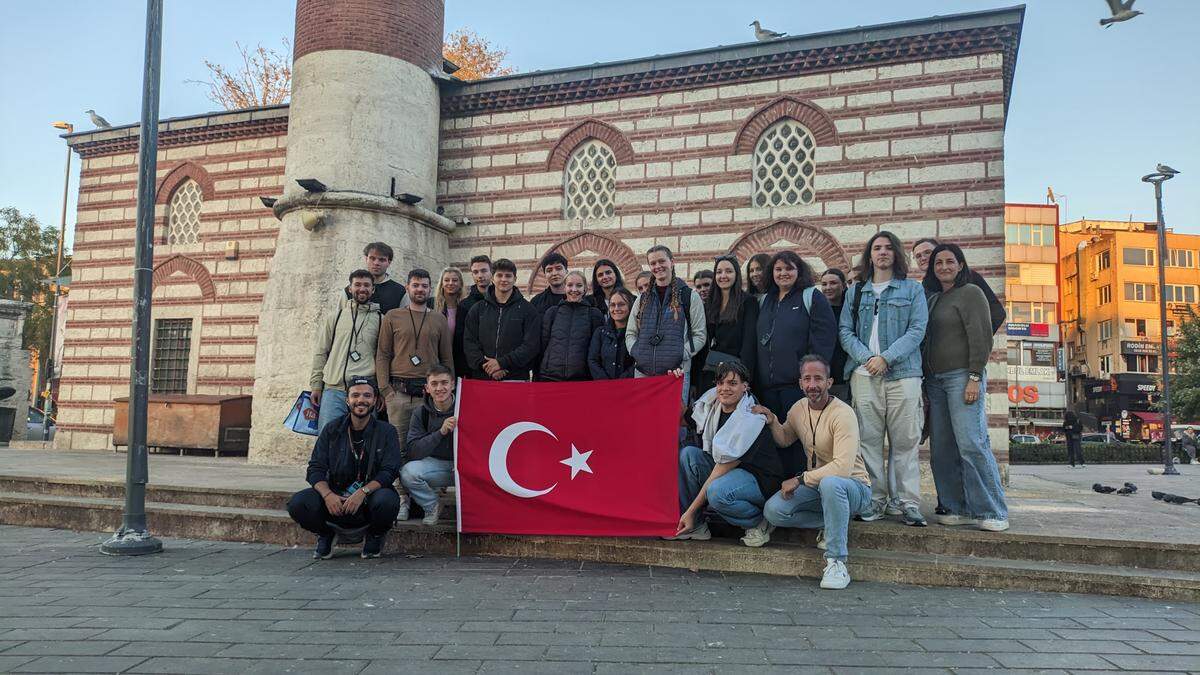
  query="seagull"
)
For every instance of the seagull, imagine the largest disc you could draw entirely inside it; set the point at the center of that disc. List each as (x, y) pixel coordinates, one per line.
(1166, 170)
(1121, 11)
(99, 121)
(764, 34)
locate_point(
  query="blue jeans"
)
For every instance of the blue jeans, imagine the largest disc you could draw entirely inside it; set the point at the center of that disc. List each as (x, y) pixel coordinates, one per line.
(830, 505)
(960, 454)
(735, 496)
(422, 477)
(333, 406)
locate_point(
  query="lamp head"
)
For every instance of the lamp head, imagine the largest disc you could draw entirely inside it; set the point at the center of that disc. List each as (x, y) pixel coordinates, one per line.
(311, 184)
(409, 198)
(65, 126)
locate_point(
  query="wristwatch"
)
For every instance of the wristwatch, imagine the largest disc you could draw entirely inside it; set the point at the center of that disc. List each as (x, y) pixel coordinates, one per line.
(366, 490)
(974, 377)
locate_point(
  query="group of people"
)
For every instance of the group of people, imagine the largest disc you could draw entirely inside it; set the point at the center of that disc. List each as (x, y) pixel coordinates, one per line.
(805, 392)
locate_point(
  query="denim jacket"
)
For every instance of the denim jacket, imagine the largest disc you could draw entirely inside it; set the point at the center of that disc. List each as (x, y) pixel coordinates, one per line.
(903, 315)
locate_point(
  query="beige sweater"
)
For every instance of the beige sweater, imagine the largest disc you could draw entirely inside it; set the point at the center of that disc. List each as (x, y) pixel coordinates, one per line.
(833, 449)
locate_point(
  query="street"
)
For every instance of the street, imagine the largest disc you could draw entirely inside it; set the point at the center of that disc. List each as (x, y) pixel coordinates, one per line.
(215, 607)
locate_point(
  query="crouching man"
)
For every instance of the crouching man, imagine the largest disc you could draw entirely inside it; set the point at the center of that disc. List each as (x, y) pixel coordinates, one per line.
(737, 467)
(351, 471)
(430, 444)
(835, 485)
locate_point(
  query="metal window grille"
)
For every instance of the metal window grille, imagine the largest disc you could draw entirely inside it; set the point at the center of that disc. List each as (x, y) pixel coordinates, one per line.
(784, 165)
(591, 182)
(183, 215)
(172, 349)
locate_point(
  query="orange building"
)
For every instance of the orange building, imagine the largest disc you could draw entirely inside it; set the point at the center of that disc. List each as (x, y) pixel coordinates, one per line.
(1109, 282)
(1036, 392)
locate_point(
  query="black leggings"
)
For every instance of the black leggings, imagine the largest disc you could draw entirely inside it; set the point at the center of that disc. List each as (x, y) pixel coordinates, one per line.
(378, 512)
(1074, 451)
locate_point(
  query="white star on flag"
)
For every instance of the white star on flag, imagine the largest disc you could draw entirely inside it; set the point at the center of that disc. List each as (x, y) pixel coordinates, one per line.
(577, 461)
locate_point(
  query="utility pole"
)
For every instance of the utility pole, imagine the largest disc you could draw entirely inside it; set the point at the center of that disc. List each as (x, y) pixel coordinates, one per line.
(48, 405)
(134, 536)
(1157, 179)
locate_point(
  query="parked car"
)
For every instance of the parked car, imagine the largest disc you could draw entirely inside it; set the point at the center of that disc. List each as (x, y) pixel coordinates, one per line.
(1023, 438)
(33, 425)
(1098, 438)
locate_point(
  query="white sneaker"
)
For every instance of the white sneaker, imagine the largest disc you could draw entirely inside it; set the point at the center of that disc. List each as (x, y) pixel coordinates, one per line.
(402, 514)
(872, 513)
(993, 525)
(699, 533)
(821, 539)
(836, 575)
(893, 509)
(952, 519)
(432, 515)
(758, 535)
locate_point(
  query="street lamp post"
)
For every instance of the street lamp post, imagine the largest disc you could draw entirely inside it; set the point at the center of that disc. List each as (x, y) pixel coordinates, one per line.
(48, 404)
(133, 538)
(1157, 179)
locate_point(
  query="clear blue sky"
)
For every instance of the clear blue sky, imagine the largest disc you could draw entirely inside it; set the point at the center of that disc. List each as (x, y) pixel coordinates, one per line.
(1092, 110)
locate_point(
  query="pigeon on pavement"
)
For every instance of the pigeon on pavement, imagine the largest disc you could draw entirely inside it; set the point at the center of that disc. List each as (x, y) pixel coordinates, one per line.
(1103, 489)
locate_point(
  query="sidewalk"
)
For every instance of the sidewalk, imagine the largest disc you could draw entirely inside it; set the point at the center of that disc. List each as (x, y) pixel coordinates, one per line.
(1045, 500)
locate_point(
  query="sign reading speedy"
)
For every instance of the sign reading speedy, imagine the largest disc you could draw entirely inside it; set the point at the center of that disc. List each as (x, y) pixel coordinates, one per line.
(584, 458)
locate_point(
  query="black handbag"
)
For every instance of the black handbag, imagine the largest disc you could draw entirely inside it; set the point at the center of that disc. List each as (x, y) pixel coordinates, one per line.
(716, 358)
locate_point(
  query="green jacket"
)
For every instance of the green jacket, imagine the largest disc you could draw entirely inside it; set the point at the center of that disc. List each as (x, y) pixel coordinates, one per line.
(350, 327)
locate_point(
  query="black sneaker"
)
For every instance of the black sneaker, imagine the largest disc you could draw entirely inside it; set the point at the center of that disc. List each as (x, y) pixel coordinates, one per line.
(324, 550)
(373, 546)
(941, 510)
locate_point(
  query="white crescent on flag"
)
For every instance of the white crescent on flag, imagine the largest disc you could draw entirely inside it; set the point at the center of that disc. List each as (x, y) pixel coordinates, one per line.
(498, 459)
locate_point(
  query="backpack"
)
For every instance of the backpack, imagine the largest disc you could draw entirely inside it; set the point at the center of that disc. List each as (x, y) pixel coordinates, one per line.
(808, 299)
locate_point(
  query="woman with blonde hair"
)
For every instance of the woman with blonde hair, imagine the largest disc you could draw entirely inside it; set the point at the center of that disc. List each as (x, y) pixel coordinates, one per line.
(450, 292)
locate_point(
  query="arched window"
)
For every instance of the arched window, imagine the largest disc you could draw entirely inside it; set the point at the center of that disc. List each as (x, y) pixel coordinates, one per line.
(590, 182)
(784, 165)
(183, 214)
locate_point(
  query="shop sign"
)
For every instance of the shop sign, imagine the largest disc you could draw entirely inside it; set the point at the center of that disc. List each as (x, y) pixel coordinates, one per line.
(1026, 394)
(1132, 347)
(1018, 329)
(1033, 373)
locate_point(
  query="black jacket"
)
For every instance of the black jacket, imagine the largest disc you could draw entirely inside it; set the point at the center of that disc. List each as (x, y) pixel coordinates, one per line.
(510, 333)
(566, 337)
(332, 460)
(995, 307)
(545, 300)
(460, 330)
(425, 437)
(738, 339)
(388, 295)
(794, 333)
(608, 358)
(838, 365)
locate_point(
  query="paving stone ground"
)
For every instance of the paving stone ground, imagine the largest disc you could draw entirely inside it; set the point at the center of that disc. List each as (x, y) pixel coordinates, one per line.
(214, 607)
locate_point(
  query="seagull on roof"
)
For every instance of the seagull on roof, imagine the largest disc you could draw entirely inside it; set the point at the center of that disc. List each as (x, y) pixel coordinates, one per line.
(1166, 170)
(99, 121)
(1121, 11)
(764, 34)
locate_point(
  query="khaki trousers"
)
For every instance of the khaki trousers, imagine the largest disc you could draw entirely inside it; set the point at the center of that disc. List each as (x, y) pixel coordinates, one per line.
(891, 409)
(400, 407)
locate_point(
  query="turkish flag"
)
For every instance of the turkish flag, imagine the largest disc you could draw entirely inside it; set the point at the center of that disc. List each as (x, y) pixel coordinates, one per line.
(584, 458)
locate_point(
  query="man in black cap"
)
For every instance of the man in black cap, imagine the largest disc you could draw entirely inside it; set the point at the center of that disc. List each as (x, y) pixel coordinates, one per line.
(351, 471)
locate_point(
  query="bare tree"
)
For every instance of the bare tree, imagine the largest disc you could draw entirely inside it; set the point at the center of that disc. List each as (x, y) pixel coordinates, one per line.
(264, 77)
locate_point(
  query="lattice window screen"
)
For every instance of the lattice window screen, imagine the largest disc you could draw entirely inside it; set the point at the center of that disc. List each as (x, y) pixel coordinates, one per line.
(183, 215)
(590, 182)
(172, 353)
(784, 165)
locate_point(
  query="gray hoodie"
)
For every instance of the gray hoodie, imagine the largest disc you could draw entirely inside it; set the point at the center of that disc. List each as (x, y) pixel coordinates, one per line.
(425, 437)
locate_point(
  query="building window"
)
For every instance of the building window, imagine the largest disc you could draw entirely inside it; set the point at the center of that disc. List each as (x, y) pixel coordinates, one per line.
(1104, 330)
(1012, 271)
(1178, 293)
(183, 214)
(1105, 295)
(1106, 364)
(1140, 292)
(1028, 235)
(784, 165)
(1019, 312)
(1178, 257)
(591, 182)
(172, 352)
(1103, 260)
(1141, 363)
(1170, 328)
(1135, 328)
(1138, 256)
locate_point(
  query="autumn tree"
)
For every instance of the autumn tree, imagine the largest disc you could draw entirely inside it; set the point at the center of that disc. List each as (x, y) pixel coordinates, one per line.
(475, 56)
(264, 77)
(28, 253)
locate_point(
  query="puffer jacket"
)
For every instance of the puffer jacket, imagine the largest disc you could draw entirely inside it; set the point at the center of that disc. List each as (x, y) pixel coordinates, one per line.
(659, 338)
(511, 333)
(566, 336)
(608, 359)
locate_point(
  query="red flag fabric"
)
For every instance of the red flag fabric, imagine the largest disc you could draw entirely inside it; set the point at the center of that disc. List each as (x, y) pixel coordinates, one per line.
(584, 458)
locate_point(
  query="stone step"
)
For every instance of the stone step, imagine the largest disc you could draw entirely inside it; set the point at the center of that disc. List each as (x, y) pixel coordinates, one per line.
(273, 526)
(883, 535)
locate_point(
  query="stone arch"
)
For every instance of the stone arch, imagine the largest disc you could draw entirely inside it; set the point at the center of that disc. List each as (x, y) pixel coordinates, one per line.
(601, 245)
(805, 112)
(806, 238)
(189, 268)
(177, 176)
(608, 134)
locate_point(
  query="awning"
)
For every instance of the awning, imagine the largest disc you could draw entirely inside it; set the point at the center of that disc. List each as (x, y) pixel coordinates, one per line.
(1151, 417)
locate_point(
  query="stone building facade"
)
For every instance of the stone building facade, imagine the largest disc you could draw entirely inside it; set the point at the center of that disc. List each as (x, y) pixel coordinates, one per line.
(812, 143)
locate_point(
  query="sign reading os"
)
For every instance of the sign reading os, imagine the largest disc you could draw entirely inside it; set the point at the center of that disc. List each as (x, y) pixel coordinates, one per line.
(1026, 394)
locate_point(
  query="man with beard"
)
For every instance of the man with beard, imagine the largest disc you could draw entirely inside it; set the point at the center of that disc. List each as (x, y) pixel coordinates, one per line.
(835, 486)
(351, 471)
(345, 347)
(411, 340)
